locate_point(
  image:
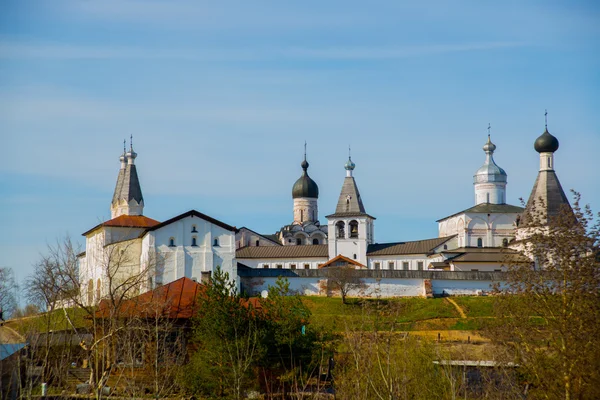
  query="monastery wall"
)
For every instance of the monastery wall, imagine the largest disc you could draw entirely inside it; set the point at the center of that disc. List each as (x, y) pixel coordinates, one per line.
(378, 283)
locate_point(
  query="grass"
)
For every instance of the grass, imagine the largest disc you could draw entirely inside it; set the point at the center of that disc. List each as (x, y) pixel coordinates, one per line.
(52, 321)
(398, 314)
(476, 306)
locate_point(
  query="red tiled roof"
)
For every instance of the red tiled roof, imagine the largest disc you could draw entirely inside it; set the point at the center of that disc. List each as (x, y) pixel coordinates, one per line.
(177, 299)
(127, 221)
(340, 257)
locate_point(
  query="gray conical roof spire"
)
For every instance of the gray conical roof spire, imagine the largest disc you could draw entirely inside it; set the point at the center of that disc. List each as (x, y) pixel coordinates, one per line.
(349, 203)
(127, 198)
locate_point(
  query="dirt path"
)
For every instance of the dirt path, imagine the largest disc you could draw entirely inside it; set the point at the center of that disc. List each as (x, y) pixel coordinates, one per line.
(460, 310)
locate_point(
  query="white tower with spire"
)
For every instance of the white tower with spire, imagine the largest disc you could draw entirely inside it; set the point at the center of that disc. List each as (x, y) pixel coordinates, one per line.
(351, 229)
(127, 198)
(490, 179)
(305, 193)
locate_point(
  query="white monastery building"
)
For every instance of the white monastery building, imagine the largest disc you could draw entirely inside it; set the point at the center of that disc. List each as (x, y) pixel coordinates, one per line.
(477, 239)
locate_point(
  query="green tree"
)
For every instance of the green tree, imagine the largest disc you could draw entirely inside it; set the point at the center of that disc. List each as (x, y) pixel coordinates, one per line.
(295, 350)
(228, 335)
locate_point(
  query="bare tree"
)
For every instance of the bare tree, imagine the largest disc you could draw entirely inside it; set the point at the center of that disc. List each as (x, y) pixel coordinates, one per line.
(56, 286)
(549, 310)
(8, 302)
(343, 280)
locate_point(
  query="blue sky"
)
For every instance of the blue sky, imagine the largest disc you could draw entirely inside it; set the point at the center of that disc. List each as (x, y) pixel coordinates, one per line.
(220, 97)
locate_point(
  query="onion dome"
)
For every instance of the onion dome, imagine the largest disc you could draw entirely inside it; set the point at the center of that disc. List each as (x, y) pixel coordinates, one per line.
(349, 166)
(546, 143)
(489, 171)
(305, 186)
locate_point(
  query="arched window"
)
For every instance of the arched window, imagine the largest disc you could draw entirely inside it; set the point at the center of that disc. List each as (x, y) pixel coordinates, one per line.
(298, 241)
(479, 242)
(340, 229)
(194, 243)
(90, 291)
(257, 243)
(216, 242)
(355, 256)
(315, 241)
(505, 242)
(353, 226)
(98, 286)
(445, 247)
(301, 215)
(194, 229)
(171, 242)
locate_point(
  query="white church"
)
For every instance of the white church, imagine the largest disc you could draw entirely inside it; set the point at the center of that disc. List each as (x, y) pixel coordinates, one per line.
(471, 245)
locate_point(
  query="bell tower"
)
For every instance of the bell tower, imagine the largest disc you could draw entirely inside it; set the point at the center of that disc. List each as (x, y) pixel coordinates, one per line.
(351, 229)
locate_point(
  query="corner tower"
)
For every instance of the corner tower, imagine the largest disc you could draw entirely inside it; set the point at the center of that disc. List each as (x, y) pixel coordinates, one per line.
(351, 229)
(127, 198)
(490, 179)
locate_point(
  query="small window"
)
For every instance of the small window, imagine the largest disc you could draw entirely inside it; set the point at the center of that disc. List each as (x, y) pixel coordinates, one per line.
(298, 241)
(194, 229)
(405, 265)
(266, 266)
(548, 162)
(279, 266)
(315, 241)
(257, 243)
(289, 240)
(194, 243)
(306, 266)
(445, 247)
(391, 265)
(172, 242)
(420, 265)
(150, 283)
(479, 242)
(216, 242)
(377, 265)
(301, 215)
(505, 242)
(355, 256)
(293, 266)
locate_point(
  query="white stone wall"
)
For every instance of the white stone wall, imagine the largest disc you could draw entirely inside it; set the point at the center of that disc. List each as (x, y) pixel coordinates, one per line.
(476, 266)
(492, 228)
(490, 192)
(286, 263)
(353, 248)
(384, 287)
(245, 237)
(460, 287)
(186, 260)
(306, 209)
(399, 260)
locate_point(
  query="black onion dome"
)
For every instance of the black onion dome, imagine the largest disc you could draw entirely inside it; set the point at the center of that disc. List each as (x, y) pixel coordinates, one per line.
(305, 186)
(546, 143)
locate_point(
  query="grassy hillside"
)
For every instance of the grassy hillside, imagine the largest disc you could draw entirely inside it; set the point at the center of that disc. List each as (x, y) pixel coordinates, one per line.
(400, 314)
(53, 321)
